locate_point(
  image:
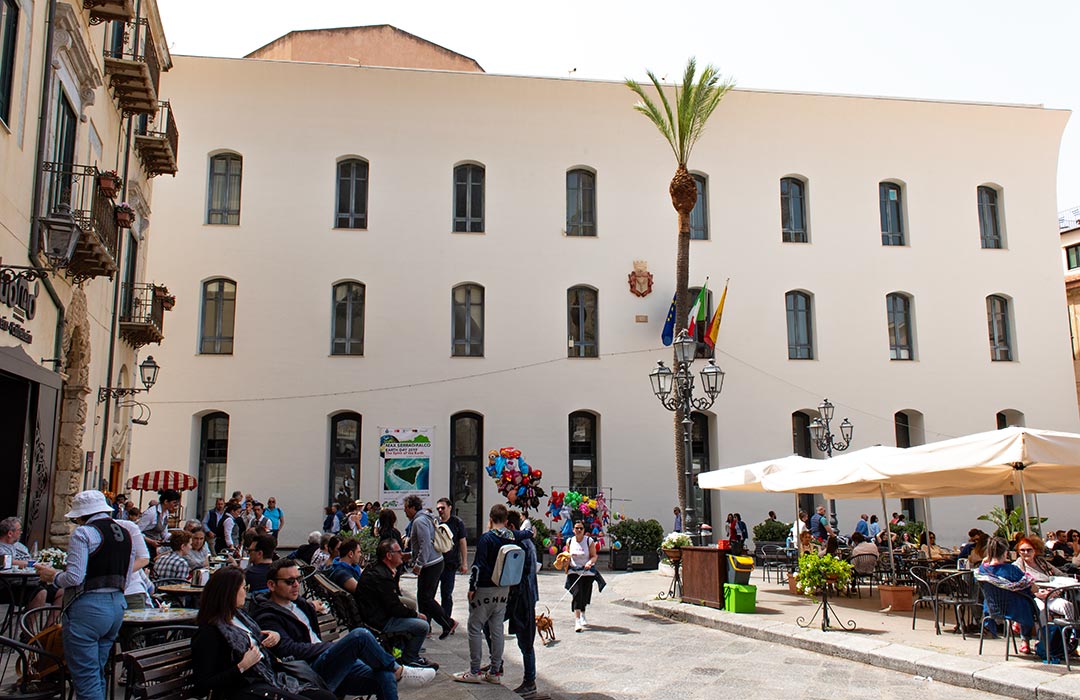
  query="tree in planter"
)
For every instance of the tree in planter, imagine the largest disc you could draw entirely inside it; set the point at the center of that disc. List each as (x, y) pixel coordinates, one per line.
(695, 100)
(771, 531)
(1010, 523)
(638, 535)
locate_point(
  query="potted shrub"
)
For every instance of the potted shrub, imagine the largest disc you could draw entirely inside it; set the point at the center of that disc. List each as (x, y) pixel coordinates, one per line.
(673, 544)
(109, 183)
(161, 293)
(639, 541)
(769, 532)
(125, 215)
(819, 570)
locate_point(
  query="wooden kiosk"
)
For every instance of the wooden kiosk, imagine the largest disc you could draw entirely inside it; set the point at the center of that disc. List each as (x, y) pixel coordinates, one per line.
(704, 573)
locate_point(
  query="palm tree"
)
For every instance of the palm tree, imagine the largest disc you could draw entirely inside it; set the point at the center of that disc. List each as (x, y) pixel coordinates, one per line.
(695, 100)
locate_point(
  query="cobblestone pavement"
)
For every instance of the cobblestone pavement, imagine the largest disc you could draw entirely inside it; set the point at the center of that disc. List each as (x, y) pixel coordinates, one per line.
(627, 654)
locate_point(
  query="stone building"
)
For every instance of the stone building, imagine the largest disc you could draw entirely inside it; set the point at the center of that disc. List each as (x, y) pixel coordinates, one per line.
(448, 250)
(84, 129)
(1069, 226)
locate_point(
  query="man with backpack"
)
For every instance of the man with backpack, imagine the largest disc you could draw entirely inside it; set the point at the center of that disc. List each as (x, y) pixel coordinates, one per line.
(494, 570)
(427, 563)
(455, 558)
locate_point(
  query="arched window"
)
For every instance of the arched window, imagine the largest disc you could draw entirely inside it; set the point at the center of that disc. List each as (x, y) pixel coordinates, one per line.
(467, 320)
(998, 321)
(892, 214)
(1009, 418)
(344, 458)
(699, 215)
(898, 313)
(584, 466)
(701, 350)
(469, 198)
(989, 218)
(581, 322)
(347, 320)
(213, 459)
(466, 470)
(352, 194)
(793, 210)
(580, 203)
(218, 317)
(799, 326)
(226, 170)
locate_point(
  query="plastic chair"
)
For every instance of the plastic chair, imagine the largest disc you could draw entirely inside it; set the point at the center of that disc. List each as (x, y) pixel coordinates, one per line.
(995, 602)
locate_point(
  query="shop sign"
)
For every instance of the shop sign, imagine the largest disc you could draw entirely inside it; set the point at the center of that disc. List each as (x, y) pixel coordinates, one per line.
(17, 294)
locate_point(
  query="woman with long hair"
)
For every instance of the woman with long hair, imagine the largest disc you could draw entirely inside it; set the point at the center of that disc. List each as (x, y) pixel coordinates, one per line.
(226, 651)
(998, 571)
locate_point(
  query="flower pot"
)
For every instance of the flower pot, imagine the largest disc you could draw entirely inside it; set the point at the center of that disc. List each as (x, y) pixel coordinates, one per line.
(673, 554)
(125, 218)
(109, 185)
(899, 598)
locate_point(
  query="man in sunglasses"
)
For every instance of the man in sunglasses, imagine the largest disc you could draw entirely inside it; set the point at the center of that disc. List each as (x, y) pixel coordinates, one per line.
(353, 665)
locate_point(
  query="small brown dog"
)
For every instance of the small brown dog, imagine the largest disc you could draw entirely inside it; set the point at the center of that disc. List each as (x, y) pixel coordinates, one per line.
(545, 626)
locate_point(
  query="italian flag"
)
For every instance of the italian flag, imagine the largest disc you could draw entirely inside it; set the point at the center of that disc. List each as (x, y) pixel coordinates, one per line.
(697, 314)
(714, 324)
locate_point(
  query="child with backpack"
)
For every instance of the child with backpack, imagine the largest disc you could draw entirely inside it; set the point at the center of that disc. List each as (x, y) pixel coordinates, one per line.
(498, 564)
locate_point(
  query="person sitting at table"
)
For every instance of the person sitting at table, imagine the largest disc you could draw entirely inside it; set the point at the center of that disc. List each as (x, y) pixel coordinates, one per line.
(861, 545)
(199, 556)
(261, 555)
(226, 650)
(929, 549)
(353, 665)
(378, 596)
(171, 566)
(154, 523)
(304, 552)
(101, 557)
(323, 557)
(832, 545)
(807, 543)
(345, 571)
(978, 549)
(1032, 561)
(998, 571)
(43, 594)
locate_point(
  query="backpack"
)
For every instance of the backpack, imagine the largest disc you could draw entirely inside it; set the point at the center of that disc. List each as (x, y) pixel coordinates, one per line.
(444, 538)
(509, 565)
(1057, 649)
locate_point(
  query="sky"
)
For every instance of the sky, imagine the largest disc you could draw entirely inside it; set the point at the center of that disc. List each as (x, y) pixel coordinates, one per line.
(991, 51)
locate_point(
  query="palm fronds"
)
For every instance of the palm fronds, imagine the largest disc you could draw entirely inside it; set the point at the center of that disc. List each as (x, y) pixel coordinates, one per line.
(695, 100)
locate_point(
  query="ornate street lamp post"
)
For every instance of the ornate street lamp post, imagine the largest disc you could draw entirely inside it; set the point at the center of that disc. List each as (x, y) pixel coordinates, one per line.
(675, 390)
(822, 436)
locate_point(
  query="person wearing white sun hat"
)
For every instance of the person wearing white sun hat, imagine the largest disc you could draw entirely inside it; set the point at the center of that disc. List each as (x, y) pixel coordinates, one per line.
(101, 557)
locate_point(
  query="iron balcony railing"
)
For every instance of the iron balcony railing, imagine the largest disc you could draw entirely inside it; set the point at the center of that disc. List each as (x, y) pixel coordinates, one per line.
(142, 304)
(76, 187)
(161, 127)
(132, 41)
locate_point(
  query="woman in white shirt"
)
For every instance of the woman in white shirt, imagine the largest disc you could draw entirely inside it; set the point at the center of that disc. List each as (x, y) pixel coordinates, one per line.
(579, 577)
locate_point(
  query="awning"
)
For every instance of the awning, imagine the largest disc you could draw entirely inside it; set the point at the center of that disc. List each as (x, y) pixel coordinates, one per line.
(161, 480)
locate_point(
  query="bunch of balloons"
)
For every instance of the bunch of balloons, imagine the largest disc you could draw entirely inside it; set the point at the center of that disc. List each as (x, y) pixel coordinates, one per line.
(515, 479)
(573, 506)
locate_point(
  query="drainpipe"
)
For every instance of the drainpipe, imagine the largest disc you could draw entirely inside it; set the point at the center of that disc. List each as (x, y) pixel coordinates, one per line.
(35, 204)
(117, 283)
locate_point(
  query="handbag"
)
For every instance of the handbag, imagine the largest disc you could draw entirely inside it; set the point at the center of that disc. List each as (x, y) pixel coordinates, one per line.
(300, 671)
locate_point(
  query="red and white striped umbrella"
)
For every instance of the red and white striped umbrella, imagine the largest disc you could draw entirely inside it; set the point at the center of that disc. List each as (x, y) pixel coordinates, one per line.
(161, 480)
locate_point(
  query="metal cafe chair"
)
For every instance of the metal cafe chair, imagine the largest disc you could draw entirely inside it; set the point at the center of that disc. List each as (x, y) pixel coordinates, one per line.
(959, 592)
(921, 579)
(1064, 615)
(866, 566)
(996, 601)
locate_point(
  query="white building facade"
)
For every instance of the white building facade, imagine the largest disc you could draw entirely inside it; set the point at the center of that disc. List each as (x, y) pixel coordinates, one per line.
(387, 248)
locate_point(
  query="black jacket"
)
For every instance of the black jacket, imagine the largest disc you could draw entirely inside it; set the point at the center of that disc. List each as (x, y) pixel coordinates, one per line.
(295, 641)
(378, 596)
(214, 664)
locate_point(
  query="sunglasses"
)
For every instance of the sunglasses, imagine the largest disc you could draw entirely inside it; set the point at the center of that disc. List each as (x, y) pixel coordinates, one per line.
(288, 581)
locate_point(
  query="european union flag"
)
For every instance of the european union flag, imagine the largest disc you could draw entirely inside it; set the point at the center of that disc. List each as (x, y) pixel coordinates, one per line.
(667, 336)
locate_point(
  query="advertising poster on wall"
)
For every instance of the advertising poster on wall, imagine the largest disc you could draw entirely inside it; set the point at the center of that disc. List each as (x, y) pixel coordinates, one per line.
(405, 458)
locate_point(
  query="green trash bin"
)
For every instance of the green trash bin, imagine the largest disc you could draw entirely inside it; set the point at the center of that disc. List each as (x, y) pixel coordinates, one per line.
(739, 598)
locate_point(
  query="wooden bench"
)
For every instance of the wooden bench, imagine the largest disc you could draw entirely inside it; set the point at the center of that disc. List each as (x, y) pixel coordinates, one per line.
(160, 672)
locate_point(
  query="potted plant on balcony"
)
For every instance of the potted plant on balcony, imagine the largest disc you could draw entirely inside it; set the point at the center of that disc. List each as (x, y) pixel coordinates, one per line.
(125, 215)
(109, 183)
(161, 293)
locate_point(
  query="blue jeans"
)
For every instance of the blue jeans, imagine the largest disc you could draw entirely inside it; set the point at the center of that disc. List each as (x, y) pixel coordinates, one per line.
(446, 589)
(90, 626)
(415, 631)
(357, 665)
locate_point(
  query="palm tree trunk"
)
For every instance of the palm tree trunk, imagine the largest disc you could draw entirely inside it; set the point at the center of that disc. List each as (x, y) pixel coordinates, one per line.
(679, 200)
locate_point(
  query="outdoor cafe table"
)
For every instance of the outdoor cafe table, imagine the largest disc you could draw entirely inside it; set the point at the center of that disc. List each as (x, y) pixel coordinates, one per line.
(1058, 582)
(19, 583)
(184, 592)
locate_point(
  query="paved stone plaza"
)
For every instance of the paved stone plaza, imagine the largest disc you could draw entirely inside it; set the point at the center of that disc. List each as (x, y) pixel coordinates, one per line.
(630, 653)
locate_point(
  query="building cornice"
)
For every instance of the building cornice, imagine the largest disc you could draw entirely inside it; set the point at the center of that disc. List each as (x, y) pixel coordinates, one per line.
(70, 47)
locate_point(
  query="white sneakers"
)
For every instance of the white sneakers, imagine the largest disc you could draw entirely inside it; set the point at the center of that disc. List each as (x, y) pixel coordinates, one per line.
(415, 677)
(579, 626)
(584, 622)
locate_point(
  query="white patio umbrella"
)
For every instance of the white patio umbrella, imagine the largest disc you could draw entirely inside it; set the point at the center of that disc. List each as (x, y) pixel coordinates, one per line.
(1006, 461)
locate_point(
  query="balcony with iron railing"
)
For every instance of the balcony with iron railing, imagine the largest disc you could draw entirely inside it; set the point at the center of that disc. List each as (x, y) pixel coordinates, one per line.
(109, 10)
(131, 63)
(72, 194)
(157, 141)
(142, 313)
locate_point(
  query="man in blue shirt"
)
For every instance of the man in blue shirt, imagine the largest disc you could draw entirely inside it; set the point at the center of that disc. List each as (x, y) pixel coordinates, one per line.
(819, 525)
(276, 515)
(345, 571)
(863, 526)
